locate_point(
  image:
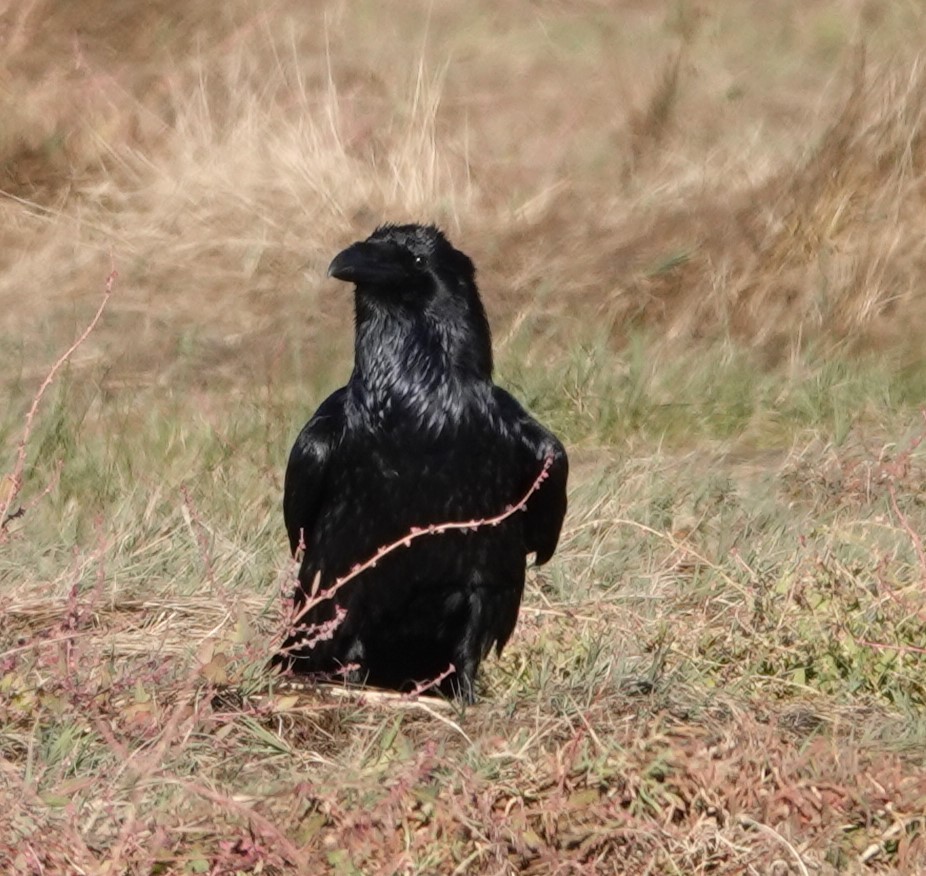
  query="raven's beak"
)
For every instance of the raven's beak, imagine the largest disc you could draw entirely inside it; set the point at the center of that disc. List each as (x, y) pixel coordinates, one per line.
(366, 262)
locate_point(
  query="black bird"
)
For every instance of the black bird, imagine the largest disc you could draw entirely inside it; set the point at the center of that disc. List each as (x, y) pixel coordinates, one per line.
(419, 436)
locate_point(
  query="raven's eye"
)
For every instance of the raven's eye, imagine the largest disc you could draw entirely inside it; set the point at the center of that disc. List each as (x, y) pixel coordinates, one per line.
(419, 261)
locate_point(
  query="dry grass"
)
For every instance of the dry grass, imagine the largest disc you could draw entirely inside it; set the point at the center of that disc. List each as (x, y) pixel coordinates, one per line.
(705, 682)
(697, 227)
(689, 190)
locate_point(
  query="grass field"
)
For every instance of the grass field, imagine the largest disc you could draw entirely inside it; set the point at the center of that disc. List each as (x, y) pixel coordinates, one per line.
(699, 235)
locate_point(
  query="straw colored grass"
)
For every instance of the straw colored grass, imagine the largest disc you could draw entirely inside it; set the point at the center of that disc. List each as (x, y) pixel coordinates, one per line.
(698, 235)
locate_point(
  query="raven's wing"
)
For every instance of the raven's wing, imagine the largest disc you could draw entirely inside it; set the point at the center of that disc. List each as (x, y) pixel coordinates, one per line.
(546, 508)
(307, 470)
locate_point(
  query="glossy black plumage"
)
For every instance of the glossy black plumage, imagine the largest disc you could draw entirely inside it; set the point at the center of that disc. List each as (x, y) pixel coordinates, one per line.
(420, 435)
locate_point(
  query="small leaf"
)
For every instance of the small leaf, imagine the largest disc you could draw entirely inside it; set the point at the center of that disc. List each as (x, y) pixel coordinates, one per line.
(7, 489)
(139, 713)
(531, 840)
(311, 826)
(57, 801)
(583, 798)
(242, 634)
(223, 731)
(215, 670)
(206, 650)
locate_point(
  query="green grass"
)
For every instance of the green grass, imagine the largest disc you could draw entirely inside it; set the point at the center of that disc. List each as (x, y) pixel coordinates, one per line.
(715, 393)
(737, 575)
(697, 229)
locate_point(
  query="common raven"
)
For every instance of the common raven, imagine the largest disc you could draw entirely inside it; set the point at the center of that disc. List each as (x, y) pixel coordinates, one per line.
(419, 436)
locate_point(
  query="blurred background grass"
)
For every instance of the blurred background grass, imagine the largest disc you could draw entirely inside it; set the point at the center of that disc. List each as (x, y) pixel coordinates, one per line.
(698, 234)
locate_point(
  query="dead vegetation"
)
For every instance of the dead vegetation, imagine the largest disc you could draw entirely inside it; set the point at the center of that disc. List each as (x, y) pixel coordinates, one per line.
(725, 694)
(225, 159)
(698, 232)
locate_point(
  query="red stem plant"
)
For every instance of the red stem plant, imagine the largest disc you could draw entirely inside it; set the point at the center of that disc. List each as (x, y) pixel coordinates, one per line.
(414, 533)
(15, 479)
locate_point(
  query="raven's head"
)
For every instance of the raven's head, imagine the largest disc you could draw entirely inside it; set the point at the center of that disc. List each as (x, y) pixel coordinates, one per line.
(407, 261)
(414, 275)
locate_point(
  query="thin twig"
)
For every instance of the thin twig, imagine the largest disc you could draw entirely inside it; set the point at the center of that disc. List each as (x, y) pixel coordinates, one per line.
(746, 821)
(198, 530)
(424, 686)
(417, 532)
(16, 476)
(911, 532)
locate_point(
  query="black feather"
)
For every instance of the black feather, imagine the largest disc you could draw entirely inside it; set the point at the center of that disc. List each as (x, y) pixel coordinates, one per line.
(419, 436)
